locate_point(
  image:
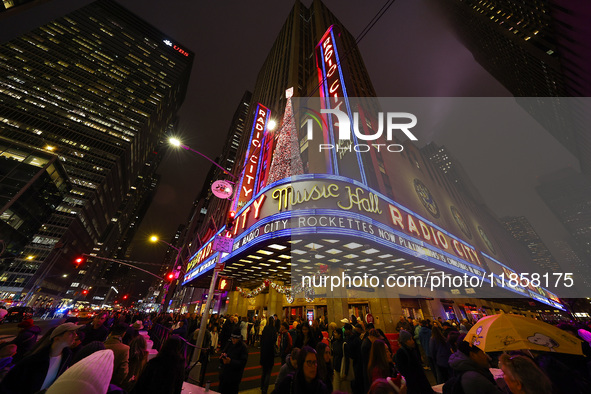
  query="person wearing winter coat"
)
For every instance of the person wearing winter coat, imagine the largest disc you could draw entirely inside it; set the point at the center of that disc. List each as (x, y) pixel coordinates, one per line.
(289, 367)
(268, 340)
(425, 339)
(410, 367)
(473, 365)
(233, 360)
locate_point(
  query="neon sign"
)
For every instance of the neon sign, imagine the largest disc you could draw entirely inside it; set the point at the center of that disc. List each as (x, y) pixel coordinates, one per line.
(253, 153)
(333, 95)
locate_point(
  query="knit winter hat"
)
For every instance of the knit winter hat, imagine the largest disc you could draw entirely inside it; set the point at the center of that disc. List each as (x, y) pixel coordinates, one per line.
(404, 336)
(90, 375)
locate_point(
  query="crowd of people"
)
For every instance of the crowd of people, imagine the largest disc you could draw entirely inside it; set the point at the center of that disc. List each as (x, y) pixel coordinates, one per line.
(316, 357)
(108, 351)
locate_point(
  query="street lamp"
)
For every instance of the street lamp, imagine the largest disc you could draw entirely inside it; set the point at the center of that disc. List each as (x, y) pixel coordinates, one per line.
(175, 269)
(176, 142)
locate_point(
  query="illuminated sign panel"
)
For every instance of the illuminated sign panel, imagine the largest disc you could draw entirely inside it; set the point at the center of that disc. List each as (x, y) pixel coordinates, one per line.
(176, 48)
(344, 161)
(248, 181)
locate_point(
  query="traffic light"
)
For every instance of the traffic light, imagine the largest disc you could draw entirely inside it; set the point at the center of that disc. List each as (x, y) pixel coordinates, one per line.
(230, 221)
(125, 297)
(79, 260)
(170, 276)
(84, 292)
(224, 284)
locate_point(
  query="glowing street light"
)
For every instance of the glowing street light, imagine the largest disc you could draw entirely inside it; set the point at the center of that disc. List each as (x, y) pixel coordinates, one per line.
(271, 125)
(176, 142)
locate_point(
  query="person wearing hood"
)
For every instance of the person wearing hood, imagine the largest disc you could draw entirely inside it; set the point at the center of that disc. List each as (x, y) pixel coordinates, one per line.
(25, 339)
(290, 366)
(267, 358)
(471, 364)
(410, 367)
(306, 379)
(425, 339)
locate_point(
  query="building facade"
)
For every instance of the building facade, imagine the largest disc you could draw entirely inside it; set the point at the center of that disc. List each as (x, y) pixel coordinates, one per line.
(97, 88)
(384, 214)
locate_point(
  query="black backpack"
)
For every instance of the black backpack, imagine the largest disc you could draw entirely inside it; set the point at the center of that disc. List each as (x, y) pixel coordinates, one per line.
(454, 385)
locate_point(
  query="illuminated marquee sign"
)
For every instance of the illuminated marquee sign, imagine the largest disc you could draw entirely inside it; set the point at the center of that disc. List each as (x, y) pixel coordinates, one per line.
(253, 155)
(333, 95)
(176, 48)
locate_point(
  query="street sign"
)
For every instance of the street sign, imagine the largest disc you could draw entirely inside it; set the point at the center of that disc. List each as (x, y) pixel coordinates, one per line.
(223, 244)
(220, 266)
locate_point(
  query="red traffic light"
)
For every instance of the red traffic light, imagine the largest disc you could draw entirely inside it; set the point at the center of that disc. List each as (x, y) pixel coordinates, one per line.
(125, 297)
(79, 260)
(170, 276)
(84, 292)
(230, 221)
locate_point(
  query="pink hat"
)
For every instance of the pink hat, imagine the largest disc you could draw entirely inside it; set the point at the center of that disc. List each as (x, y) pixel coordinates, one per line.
(91, 375)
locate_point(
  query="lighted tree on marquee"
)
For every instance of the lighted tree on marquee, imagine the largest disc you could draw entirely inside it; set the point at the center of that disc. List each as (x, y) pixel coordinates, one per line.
(286, 157)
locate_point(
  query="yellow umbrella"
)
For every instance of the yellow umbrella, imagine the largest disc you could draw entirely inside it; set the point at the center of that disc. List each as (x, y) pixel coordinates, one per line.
(505, 332)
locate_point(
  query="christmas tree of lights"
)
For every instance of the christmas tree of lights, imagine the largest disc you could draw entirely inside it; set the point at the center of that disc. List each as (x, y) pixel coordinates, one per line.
(286, 157)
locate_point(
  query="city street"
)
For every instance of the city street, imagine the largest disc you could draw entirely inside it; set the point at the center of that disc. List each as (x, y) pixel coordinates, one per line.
(9, 330)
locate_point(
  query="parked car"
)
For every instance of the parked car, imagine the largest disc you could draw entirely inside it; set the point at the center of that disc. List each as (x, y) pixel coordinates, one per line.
(18, 314)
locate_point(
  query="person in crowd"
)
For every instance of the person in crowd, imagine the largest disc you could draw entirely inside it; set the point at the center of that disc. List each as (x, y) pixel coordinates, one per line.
(294, 332)
(77, 345)
(181, 329)
(387, 386)
(121, 352)
(410, 366)
(402, 324)
(267, 358)
(353, 338)
(39, 370)
(305, 380)
(380, 365)
(87, 350)
(440, 353)
(290, 365)
(215, 336)
(262, 324)
(366, 344)
(325, 368)
(233, 360)
(471, 369)
(315, 331)
(138, 358)
(7, 353)
(425, 339)
(341, 354)
(244, 329)
(305, 337)
(25, 339)
(523, 376)
(285, 342)
(165, 373)
(89, 376)
(277, 322)
(96, 329)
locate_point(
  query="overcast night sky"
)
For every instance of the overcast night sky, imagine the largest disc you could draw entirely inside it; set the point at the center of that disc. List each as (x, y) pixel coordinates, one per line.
(410, 52)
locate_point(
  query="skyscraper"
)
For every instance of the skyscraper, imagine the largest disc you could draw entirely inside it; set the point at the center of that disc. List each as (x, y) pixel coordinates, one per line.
(535, 48)
(568, 195)
(97, 88)
(523, 231)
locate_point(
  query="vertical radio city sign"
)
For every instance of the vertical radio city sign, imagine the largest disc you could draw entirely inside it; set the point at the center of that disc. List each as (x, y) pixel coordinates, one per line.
(248, 181)
(333, 95)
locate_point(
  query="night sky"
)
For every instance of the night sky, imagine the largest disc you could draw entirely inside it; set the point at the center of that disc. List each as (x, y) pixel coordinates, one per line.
(410, 52)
